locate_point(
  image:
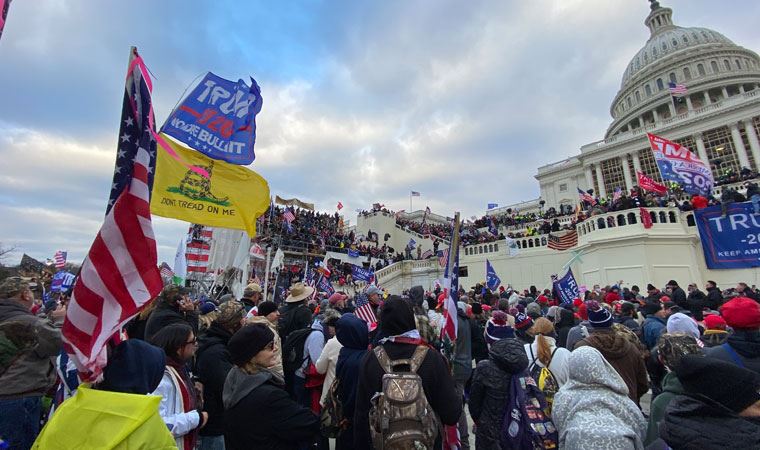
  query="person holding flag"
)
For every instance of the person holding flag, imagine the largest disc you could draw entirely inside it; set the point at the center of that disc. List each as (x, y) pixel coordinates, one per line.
(492, 280)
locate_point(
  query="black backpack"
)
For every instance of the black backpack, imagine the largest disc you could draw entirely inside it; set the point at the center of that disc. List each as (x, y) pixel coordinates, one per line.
(293, 351)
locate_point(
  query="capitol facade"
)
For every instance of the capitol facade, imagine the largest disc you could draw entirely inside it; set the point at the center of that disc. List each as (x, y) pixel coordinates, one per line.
(718, 119)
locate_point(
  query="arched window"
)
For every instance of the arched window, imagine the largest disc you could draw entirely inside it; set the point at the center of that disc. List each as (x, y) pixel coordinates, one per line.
(738, 64)
(686, 73)
(701, 69)
(672, 77)
(714, 66)
(690, 222)
(672, 217)
(653, 216)
(662, 217)
(628, 100)
(631, 218)
(621, 220)
(530, 243)
(648, 90)
(490, 247)
(600, 223)
(638, 97)
(496, 247)
(727, 64)
(660, 85)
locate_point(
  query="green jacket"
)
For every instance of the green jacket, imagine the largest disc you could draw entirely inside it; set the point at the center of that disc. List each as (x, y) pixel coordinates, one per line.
(670, 388)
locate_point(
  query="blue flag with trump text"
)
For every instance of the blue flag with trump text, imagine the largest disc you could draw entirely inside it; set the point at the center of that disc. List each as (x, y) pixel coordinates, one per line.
(566, 288)
(730, 242)
(492, 280)
(218, 119)
(362, 274)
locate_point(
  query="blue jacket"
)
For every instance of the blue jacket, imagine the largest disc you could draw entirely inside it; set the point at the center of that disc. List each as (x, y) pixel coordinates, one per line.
(653, 328)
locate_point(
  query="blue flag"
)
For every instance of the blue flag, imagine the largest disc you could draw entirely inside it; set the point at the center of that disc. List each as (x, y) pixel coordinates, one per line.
(492, 205)
(492, 227)
(218, 119)
(566, 288)
(353, 253)
(729, 242)
(362, 274)
(324, 285)
(412, 243)
(492, 280)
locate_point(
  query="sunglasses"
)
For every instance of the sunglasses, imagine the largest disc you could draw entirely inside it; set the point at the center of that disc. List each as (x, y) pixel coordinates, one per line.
(193, 342)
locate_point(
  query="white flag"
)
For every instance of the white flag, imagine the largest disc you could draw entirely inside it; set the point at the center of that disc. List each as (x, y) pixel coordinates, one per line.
(180, 263)
(278, 261)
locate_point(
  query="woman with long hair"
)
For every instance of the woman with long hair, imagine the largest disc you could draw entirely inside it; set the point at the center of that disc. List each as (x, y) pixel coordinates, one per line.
(544, 352)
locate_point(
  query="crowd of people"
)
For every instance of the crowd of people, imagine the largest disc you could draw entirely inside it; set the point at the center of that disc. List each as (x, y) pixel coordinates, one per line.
(382, 371)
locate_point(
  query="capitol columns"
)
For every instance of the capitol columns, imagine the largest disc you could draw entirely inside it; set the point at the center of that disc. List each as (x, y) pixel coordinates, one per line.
(636, 162)
(754, 144)
(601, 192)
(589, 177)
(741, 151)
(626, 172)
(701, 151)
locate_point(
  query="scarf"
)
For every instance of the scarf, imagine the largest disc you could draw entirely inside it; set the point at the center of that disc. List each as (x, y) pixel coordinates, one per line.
(178, 372)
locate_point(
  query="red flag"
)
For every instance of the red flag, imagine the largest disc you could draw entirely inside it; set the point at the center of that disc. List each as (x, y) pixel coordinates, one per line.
(649, 184)
(120, 273)
(340, 206)
(4, 6)
(646, 219)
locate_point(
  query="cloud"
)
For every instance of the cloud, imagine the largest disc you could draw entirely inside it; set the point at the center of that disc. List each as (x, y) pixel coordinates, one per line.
(363, 102)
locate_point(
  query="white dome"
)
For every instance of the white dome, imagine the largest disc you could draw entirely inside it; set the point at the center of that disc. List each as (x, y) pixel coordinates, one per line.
(668, 41)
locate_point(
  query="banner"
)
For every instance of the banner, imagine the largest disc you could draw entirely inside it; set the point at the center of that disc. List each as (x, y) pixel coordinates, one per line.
(233, 197)
(646, 218)
(293, 202)
(512, 248)
(566, 288)
(362, 274)
(650, 185)
(731, 242)
(62, 281)
(492, 205)
(4, 6)
(218, 119)
(678, 164)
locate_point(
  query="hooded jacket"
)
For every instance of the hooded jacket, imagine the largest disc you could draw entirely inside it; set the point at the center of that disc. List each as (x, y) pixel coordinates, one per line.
(462, 360)
(564, 324)
(31, 370)
(652, 328)
(212, 363)
(697, 423)
(671, 387)
(293, 316)
(259, 413)
(745, 343)
(437, 383)
(490, 389)
(353, 335)
(623, 356)
(592, 410)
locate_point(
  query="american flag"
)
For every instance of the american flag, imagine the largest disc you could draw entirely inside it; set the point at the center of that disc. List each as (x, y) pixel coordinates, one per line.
(166, 271)
(617, 194)
(443, 256)
(120, 273)
(451, 286)
(564, 242)
(60, 259)
(677, 89)
(415, 194)
(364, 309)
(288, 216)
(586, 197)
(427, 254)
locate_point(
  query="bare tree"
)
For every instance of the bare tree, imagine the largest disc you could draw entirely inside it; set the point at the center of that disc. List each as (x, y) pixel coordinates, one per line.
(4, 251)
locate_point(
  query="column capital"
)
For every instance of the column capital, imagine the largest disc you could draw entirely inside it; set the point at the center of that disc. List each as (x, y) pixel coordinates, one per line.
(697, 135)
(733, 126)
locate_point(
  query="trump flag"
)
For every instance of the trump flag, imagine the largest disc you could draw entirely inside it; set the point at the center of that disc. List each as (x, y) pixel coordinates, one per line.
(678, 164)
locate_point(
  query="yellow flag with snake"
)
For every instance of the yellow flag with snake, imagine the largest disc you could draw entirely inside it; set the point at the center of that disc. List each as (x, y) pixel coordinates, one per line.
(231, 197)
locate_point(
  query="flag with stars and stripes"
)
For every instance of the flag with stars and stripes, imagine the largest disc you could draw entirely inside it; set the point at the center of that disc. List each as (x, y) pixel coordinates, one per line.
(120, 273)
(133, 134)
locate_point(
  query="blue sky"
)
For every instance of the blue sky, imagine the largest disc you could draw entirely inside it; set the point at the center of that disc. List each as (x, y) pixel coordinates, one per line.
(363, 101)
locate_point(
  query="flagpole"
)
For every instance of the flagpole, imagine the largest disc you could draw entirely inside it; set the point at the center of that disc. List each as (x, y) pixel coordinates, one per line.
(266, 276)
(410, 202)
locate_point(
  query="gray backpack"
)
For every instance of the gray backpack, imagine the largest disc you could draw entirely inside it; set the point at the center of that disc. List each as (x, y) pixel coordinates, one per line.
(401, 417)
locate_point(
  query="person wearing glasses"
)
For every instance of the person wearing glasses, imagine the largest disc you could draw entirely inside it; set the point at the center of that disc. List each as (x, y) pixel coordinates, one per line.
(181, 404)
(258, 412)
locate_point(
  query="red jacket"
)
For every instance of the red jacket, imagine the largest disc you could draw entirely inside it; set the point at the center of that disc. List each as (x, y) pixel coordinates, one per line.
(698, 202)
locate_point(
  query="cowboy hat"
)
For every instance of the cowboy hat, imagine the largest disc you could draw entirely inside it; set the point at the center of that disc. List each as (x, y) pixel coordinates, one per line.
(299, 292)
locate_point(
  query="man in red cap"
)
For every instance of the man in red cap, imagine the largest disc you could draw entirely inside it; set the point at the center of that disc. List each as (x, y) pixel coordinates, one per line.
(715, 331)
(743, 346)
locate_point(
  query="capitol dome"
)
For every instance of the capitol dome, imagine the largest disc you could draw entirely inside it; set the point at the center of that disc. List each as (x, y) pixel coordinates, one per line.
(700, 59)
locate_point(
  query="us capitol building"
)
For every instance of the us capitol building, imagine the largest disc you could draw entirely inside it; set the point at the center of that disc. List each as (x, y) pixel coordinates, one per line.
(719, 119)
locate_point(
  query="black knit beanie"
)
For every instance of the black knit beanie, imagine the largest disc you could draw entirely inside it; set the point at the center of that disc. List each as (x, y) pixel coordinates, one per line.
(248, 341)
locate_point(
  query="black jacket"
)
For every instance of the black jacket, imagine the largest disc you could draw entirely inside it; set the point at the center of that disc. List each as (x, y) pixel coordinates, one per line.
(293, 316)
(436, 382)
(746, 344)
(696, 423)
(212, 364)
(490, 389)
(259, 414)
(678, 296)
(714, 298)
(695, 302)
(565, 323)
(166, 314)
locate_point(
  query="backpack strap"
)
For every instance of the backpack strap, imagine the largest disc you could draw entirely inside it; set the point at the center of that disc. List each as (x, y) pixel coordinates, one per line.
(417, 358)
(732, 353)
(382, 359)
(388, 364)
